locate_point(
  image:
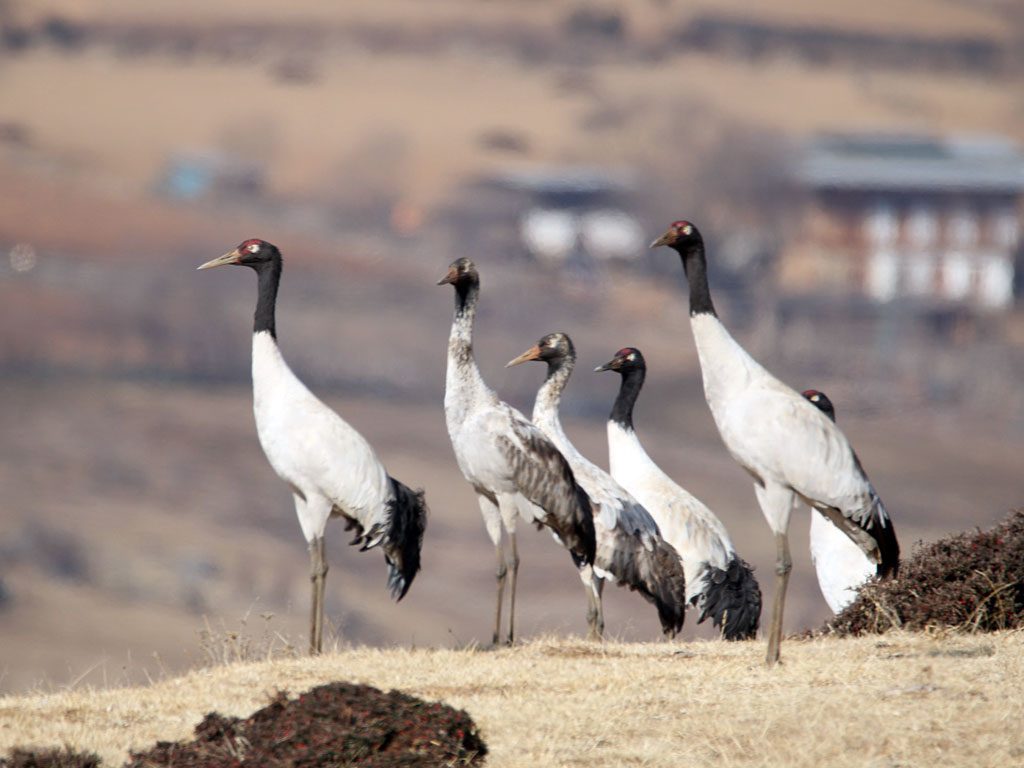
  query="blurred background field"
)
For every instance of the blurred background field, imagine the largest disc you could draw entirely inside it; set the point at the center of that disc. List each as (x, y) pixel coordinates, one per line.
(374, 143)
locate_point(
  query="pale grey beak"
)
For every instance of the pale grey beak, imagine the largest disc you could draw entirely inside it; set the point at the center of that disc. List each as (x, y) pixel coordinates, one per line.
(667, 239)
(228, 258)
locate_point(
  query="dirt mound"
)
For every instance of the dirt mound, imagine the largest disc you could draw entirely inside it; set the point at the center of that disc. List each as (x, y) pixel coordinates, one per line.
(971, 581)
(339, 724)
(49, 758)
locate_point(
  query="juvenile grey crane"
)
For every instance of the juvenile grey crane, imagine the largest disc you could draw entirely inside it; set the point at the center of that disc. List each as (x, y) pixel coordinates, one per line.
(719, 583)
(331, 469)
(515, 470)
(630, 549)
(790, 448)
(841, 566)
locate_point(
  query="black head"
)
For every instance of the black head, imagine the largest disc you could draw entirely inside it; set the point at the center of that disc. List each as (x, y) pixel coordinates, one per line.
(250, 253)
(679, 235)
(626, 359)
(461, 273)
(551, 349)
(821, 401)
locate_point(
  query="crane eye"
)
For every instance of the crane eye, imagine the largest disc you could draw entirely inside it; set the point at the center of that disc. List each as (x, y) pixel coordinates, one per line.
(253, 248)
(687, 229)
(632, 356)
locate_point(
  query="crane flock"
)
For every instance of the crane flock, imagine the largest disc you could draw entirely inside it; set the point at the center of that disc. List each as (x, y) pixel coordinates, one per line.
(633, 525)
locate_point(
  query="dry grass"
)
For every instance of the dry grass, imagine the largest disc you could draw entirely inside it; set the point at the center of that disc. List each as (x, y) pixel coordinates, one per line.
(905, 699)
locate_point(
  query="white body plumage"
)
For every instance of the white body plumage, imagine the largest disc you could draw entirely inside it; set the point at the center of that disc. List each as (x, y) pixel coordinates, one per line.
(329, 466)
(841, 566)
(718, 582)
(688, 525)
(782, 440)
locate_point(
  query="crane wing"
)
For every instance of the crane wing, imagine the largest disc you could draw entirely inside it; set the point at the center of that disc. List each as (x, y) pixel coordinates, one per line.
(543, 476)
(630, 547)
(637, 557)
(816, 461)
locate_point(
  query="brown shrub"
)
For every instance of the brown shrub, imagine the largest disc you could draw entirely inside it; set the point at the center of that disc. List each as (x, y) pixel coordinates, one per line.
(339, 724)
(971, 581)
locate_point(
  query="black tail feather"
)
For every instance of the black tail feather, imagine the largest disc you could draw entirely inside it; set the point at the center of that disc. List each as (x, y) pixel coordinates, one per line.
(404, 538)
(888, 547)
(732, 598)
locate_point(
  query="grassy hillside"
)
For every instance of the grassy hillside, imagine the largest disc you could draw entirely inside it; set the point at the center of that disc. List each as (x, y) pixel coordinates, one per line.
(136, 500)
(902, 699)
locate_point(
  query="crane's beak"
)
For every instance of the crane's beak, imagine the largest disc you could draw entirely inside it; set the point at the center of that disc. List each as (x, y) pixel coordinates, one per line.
(234, 257)
(667, 239)
(533, 353)
(450, 278)
(611, 365)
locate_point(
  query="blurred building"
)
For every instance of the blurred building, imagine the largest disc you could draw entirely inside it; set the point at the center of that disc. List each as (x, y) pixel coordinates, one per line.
(892, 217)
(563, 217)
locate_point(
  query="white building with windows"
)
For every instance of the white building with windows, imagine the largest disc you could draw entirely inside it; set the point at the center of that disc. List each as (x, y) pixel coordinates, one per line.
(911, 217)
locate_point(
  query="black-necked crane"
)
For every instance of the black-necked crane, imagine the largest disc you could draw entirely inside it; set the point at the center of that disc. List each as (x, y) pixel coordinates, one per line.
(841, 566)
(719, 583)
(514, 469)
(630, 549)
(331, 469)
(790, 448)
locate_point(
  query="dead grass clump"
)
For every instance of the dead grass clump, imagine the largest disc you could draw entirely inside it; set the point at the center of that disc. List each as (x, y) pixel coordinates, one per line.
(971, 581)
(49, 758)
(331, 725)
(223, 645)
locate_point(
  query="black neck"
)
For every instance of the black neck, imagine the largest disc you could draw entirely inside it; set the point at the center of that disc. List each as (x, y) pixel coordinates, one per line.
(269, 274)
(695, 266)
(466, 294)
(629, 389)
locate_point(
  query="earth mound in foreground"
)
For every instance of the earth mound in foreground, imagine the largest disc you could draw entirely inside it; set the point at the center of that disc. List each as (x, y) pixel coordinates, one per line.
(972, 581)
(333, 725)
(338, 724)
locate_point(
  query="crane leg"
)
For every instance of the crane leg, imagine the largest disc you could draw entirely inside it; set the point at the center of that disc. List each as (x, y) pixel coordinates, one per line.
(783, 565)
(500, 575)
(595, 611)
(317, 575)
(514, 568)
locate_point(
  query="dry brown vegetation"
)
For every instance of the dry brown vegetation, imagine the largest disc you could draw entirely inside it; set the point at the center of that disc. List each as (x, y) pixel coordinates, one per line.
(905, 699)
(972, 580)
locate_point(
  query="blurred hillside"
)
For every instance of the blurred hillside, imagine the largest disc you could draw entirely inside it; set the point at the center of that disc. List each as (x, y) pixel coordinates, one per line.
(137, 141)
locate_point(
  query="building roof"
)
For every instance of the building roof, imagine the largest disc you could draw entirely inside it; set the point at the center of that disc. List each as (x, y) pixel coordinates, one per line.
(879, 162)
(557, 179)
